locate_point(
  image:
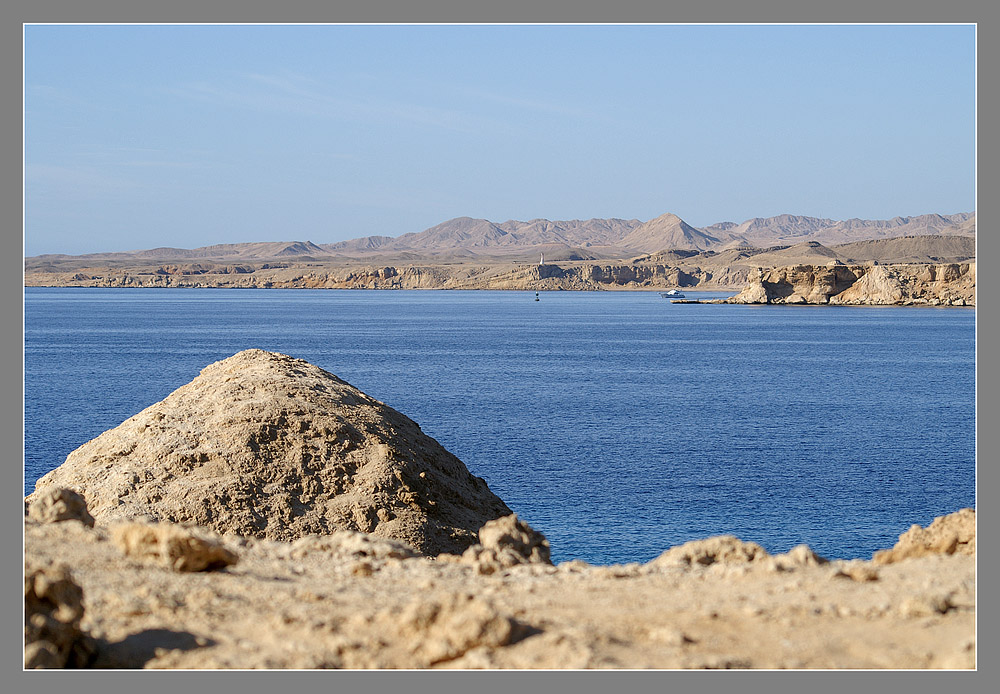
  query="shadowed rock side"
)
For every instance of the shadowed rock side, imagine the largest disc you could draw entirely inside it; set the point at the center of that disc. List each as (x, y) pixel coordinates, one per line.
(838, 284)
(53, 608)
(269, 446)
(351, 600)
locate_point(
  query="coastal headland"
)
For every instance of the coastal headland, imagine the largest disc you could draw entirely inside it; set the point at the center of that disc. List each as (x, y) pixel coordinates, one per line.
(269, 515)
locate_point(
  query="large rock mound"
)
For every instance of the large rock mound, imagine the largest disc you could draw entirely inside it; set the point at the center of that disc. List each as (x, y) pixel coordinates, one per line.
(265, 445)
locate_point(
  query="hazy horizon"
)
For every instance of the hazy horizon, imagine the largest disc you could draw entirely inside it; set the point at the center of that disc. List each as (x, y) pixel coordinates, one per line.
(187, 136)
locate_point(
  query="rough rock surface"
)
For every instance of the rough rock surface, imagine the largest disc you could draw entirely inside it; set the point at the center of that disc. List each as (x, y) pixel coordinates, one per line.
(53, 608)
(503, 543)
(723, 549)
(266, 445)
(877, 286)
(907, 285)
(511, 536)
(349, 600)
(951, 534)
(57, 504)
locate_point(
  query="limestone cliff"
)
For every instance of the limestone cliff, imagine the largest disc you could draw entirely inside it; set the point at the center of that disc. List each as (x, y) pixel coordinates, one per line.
(533, 277)
(837, 284)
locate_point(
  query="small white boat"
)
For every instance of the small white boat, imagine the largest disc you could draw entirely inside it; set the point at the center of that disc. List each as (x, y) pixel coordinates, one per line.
(672, 294)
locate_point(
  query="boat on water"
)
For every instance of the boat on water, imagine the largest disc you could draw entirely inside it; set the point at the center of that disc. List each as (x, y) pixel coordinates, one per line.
(672, 294)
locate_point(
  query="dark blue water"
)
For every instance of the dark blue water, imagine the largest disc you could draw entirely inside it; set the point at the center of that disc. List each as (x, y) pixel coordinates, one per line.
(617, 423)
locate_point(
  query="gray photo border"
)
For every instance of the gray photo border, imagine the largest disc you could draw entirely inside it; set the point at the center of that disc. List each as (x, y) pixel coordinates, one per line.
(16, 13)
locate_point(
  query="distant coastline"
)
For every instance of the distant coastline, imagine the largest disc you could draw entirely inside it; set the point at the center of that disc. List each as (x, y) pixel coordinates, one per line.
(596, 254)
(946, 284)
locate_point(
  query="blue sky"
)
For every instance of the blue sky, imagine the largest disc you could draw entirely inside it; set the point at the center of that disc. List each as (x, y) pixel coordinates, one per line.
(145, 136)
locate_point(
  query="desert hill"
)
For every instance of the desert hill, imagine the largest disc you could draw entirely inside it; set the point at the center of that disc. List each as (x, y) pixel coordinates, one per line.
(668, 232)
(805, 253)
(911, 249)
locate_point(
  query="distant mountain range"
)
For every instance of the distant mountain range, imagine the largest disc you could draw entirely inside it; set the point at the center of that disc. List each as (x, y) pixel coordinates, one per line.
(623, 237)
(465, 238)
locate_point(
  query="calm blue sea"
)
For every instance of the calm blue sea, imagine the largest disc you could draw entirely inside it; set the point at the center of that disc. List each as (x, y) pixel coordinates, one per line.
(617, 423)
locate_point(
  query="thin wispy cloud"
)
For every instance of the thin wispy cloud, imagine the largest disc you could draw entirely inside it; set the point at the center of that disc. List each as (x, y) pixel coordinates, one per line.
(539, 106)
(290, 93)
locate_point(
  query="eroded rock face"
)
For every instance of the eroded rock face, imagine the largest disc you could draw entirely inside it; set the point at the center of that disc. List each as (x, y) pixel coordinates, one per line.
(878, 286)
(951, 534)
(269, 446)
(904, 284)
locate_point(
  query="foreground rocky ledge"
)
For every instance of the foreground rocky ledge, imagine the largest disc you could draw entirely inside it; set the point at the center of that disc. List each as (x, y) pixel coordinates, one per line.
(112, 597)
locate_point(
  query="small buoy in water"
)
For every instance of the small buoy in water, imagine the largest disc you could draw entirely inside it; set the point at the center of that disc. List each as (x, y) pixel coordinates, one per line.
(536, 296)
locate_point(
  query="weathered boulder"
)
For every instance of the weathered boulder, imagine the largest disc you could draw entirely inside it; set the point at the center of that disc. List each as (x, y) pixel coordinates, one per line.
(56, 504)
(172, 546)
(722, 549)
(954, 533)
(507, 542)
(269, 446)
(53, 608)
(442, 630)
